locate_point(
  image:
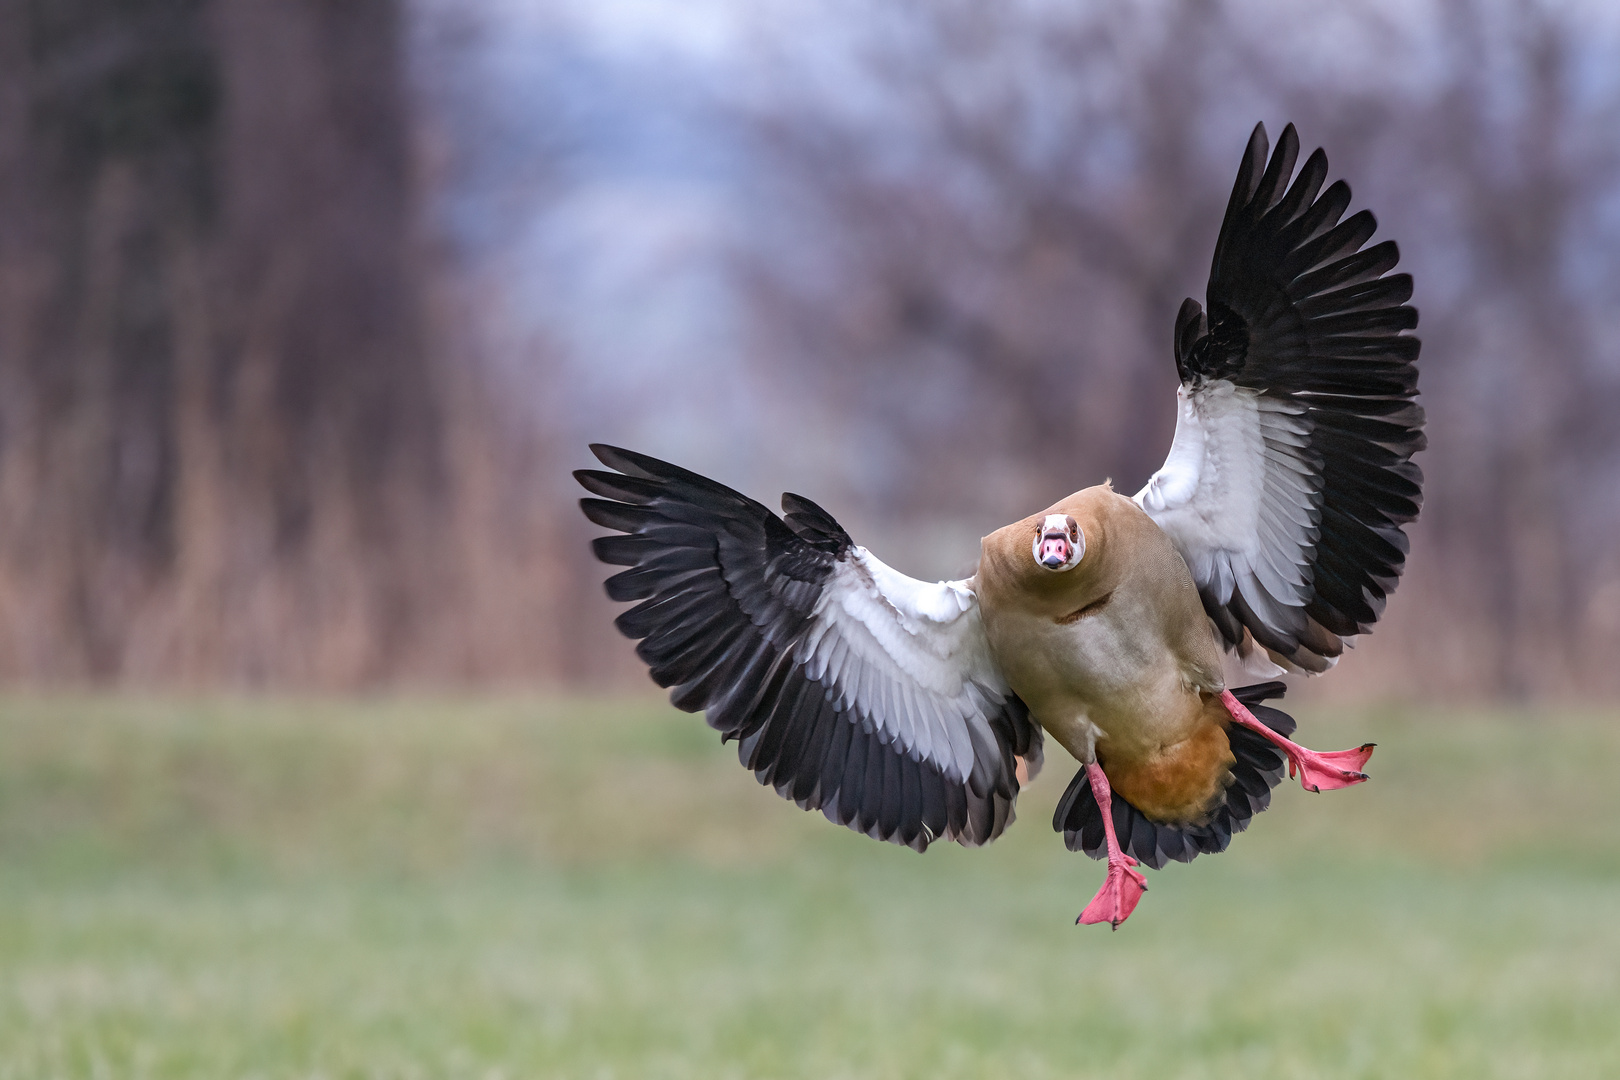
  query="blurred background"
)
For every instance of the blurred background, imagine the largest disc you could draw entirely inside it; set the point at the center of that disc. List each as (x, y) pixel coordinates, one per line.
(307, 309)
(319, 754)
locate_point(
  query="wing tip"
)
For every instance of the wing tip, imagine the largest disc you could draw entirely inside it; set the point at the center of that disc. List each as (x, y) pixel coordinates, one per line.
(1259, 144)
(625, 461)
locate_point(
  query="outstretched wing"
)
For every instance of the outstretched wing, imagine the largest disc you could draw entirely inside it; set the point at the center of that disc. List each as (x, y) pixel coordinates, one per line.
(851, 688)
(1291, 473)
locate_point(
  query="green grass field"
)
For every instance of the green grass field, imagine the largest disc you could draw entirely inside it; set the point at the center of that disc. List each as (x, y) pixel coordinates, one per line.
(594, 889)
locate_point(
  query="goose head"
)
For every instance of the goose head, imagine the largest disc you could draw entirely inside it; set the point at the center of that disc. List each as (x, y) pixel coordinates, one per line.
(1059, 544)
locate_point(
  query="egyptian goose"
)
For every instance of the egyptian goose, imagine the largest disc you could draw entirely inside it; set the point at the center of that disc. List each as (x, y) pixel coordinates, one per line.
(912, 711)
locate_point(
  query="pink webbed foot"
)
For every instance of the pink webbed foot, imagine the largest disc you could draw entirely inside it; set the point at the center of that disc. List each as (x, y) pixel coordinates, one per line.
(1320, 771)
(1124, 885)
(1117, 898)
(1317, 770)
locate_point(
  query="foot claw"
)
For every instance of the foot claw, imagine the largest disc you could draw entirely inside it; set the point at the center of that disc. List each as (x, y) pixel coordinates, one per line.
(1118, 896)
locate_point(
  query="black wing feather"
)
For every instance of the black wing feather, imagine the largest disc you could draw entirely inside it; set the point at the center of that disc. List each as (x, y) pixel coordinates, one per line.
(1299, 310)
(726, 590)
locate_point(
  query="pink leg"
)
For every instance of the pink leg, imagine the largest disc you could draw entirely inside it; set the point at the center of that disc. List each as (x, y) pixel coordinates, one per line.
(1124, 886)
(1317, 771)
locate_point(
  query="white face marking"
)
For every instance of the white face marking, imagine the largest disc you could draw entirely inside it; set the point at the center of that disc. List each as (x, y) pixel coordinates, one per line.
(1059, 543)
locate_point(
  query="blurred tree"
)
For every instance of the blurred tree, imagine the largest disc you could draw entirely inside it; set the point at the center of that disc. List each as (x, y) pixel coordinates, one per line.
(219, 424)
(1521, 151)
(1004, 233)
(234, 446)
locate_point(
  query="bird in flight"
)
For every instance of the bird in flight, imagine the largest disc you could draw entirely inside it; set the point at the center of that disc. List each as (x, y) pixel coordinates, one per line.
(913, 711)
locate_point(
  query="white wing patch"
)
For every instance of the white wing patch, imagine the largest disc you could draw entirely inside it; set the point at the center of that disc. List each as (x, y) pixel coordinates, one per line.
(1239, 497)
(912, 655)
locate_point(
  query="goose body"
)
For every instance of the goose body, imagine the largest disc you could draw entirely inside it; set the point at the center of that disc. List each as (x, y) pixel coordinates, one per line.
(1115, 659)
(913, 711)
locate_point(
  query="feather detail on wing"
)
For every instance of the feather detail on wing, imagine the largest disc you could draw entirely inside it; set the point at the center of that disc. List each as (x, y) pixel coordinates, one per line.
(851, 688)
(1290, 475)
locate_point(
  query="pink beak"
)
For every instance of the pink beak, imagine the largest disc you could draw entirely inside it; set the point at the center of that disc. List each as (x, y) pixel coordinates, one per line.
(1055, 551)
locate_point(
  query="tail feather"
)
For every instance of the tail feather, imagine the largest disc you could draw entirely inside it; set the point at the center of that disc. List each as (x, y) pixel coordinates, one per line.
(1260, 767)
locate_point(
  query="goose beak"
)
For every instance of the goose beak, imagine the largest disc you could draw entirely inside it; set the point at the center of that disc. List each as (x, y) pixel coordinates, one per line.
(1054, 551)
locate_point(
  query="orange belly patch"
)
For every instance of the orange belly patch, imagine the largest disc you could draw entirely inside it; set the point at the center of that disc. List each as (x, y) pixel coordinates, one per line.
(1179, 783)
